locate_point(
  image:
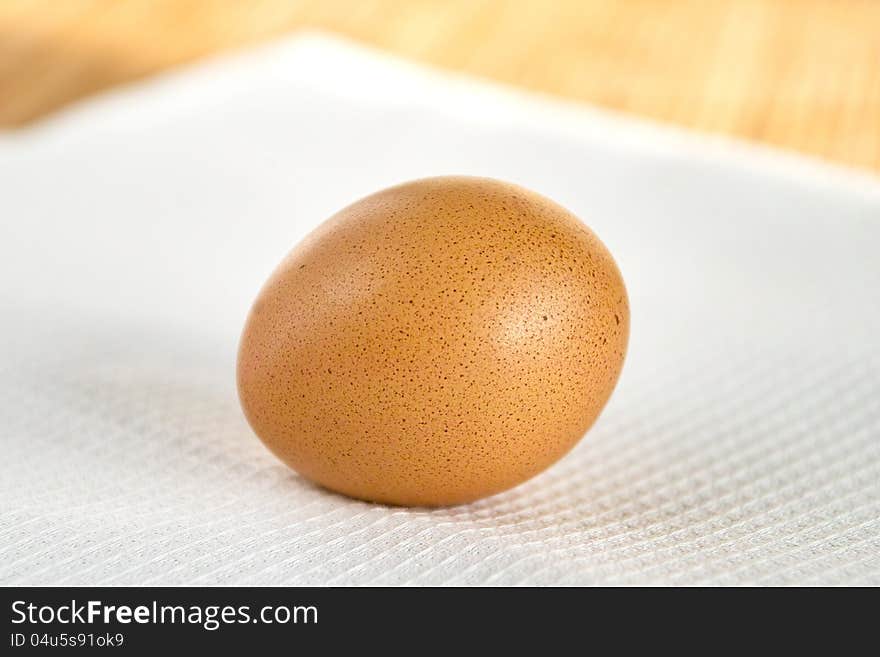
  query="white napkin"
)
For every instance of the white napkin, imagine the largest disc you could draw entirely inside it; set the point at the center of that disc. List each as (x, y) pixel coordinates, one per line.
(742, 445)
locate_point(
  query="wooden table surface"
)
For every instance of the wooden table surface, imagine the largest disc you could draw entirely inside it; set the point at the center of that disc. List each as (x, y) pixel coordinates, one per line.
(799, 74)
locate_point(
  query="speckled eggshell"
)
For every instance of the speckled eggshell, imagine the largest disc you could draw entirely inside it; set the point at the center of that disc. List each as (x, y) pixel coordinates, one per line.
(434, 343)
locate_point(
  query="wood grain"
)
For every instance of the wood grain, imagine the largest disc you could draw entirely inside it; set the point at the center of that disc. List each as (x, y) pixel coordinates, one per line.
(799, 74)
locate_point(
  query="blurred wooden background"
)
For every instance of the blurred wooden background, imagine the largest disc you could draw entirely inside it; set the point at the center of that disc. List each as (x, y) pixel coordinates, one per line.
(800, 74)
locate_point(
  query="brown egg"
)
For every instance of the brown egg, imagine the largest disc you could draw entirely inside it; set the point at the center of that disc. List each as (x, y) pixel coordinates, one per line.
(434, 343)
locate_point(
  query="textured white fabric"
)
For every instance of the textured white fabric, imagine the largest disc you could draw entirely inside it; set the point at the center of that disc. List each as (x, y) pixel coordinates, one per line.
(742, 444)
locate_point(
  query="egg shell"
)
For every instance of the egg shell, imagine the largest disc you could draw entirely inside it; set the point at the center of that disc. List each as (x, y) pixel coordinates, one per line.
(434, 343)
